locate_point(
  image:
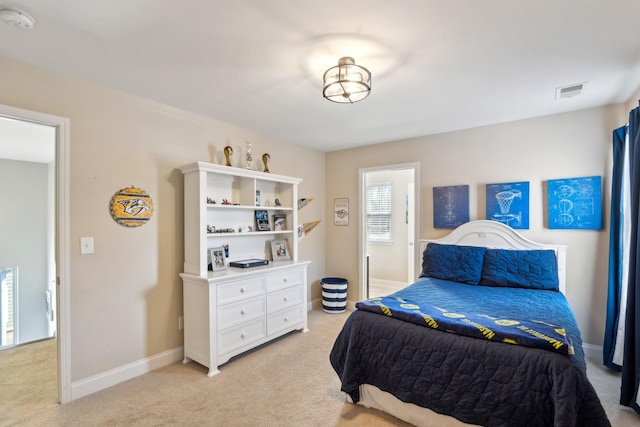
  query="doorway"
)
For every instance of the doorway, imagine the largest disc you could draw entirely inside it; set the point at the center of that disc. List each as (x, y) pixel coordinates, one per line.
(389, 222)
(56, 276)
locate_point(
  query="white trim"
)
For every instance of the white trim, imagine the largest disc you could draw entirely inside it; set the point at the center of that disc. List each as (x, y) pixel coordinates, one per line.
(63, 272)
(592, 352)
(126, 372)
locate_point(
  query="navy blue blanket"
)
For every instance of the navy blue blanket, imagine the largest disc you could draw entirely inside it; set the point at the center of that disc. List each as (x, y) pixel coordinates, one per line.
(474, 380)
(493, 326)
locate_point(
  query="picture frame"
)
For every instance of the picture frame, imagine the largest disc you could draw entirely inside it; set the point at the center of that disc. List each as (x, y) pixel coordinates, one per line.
(279, 250)
(341, 211)
(262, 220)
(575, 203)
(279, 222)
(217, 258)
(508, 203)
(450, 206)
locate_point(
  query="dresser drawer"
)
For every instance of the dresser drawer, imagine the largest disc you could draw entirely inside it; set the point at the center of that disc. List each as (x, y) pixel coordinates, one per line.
(284, 298)
(285, 279)
(242, 311)
(242, 289)
(239, 336)
(282, 320)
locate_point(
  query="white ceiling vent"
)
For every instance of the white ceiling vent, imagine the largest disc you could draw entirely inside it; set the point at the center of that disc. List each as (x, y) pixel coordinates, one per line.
(569, 91)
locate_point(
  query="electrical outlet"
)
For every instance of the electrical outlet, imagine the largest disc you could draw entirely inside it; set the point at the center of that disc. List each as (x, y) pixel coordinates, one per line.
(180, 323)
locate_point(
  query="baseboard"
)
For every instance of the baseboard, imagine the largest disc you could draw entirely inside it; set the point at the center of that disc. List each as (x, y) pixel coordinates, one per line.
(126, 372)
(388, 283)
(592, 352)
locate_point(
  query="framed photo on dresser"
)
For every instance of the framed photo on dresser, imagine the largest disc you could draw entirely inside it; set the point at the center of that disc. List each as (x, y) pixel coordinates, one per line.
(217, 259)
(279, 250)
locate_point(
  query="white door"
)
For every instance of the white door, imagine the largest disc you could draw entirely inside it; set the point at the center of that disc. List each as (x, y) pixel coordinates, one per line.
(411, 234)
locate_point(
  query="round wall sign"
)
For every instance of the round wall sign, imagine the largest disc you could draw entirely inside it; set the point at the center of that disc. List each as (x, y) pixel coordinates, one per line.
(131, 207)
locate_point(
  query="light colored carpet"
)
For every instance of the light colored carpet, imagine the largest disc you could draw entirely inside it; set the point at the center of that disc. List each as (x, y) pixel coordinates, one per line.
(285, 383)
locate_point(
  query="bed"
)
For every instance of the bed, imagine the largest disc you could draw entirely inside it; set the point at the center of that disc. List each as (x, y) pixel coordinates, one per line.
(484, 337)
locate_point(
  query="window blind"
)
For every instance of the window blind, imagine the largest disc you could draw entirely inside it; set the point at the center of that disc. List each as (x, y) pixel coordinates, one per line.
(379, 212)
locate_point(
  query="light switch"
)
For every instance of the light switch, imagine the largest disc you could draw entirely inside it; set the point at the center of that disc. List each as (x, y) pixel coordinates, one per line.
(86, 245)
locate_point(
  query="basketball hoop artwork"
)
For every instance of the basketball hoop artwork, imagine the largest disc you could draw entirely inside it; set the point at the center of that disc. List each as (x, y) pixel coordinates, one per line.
(508, 203)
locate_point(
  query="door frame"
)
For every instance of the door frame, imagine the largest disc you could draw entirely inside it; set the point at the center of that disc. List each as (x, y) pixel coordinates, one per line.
(362, 236)
(62, 256)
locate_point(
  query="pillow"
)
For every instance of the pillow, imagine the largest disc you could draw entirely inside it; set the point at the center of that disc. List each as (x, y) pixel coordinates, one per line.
(531, 269)
(452, 262)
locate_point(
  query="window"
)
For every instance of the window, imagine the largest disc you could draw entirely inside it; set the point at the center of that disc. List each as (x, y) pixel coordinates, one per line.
(8, 281)
(379, 212)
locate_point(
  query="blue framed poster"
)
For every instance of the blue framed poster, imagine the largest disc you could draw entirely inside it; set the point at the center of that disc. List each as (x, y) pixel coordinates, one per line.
(508, 203)
(450, 206)
(575, 203)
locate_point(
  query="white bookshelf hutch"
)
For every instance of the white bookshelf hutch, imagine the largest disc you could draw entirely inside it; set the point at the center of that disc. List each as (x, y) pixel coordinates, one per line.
(230, 311)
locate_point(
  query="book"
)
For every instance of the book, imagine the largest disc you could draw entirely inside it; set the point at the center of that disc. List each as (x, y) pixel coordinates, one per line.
(279, 222)
(248, 263)
(262, 221)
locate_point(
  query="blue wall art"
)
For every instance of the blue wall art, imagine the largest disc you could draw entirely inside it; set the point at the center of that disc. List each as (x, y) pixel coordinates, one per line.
(508, 203)
(575, 203)
(450, 206)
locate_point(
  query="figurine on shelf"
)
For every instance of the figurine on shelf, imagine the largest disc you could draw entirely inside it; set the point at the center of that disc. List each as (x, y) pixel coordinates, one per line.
(278, 204)
(265, 159)
(211, 229)
(248, 158)
(225, 202)
(228, 151)
(210, 201)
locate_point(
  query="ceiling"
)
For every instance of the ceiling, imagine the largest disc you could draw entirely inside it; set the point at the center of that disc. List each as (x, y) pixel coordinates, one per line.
(436, 65)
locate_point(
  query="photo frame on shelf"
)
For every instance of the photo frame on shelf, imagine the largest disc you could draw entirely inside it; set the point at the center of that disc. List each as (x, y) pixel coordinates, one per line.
(279, 222)
(279, 250)
(262, 220)
(217, 259)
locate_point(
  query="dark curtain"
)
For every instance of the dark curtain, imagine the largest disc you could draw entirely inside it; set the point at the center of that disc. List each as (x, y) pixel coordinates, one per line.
(615, 249)
(631, 365)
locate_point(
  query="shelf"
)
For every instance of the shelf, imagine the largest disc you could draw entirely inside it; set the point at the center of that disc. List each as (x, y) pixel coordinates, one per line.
(250, 233)
(205, 182)
(248, 207)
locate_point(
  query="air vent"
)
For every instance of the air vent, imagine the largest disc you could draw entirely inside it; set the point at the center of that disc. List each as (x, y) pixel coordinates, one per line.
(569, 91)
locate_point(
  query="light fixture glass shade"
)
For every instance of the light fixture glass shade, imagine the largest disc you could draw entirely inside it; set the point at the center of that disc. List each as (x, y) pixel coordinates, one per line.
(346, 82)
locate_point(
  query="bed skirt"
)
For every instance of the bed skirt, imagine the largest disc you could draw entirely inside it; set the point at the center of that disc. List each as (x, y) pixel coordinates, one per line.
(372, 397)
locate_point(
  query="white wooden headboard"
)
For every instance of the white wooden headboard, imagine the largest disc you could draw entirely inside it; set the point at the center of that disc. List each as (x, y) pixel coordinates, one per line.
(493, 234)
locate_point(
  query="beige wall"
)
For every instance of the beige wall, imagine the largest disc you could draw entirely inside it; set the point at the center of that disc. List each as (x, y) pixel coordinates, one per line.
(559, 146)
(126, 298)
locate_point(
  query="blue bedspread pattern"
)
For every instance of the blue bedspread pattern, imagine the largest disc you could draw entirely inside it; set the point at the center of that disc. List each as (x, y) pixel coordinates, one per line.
(530, 333)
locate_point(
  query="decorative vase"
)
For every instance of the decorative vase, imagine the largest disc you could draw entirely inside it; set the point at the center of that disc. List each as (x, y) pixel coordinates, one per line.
(265, 159)
(248, 158)
(228, 151)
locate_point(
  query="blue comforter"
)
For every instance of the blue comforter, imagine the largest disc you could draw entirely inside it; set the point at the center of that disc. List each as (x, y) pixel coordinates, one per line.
(471, 379)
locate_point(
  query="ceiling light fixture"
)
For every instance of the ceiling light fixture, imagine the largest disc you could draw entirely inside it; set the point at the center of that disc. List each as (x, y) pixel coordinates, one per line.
(346, 82)
(17, 18)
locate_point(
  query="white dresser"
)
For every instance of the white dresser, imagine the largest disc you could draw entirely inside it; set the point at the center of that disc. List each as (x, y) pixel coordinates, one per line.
(232, 310)
(226, 316)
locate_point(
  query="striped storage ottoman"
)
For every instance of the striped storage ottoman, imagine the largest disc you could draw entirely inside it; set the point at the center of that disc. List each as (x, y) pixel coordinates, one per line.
(334, 294)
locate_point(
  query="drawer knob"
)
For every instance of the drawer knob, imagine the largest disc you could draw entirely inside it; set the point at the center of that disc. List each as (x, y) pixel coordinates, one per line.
(286, 299)
(286, 319)
(285, 280)
(242, 290)
(242, 335)
(242, 312)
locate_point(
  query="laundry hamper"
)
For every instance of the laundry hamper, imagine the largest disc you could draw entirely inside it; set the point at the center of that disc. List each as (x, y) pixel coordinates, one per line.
(334, 294)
